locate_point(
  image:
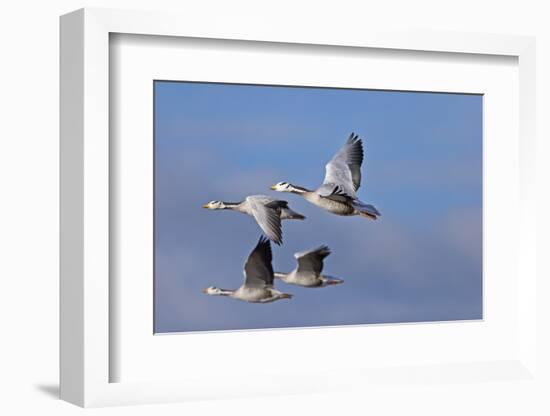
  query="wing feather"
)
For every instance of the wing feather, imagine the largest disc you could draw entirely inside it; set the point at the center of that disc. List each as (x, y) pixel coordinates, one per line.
(258, 270)
(268, 217)
(311, 262)
(344, 169)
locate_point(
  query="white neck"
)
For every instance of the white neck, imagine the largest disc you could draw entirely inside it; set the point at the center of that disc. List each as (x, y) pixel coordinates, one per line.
(231, 205)
(298, 189)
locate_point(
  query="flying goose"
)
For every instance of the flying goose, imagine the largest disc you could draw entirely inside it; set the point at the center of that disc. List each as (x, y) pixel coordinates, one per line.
(337, 194)
(258, 278)
(308, 271)
(267, 212)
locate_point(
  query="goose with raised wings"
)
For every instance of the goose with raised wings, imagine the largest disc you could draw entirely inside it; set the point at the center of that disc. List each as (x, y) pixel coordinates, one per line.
(308, 273)
(338, 194)
(258, 278)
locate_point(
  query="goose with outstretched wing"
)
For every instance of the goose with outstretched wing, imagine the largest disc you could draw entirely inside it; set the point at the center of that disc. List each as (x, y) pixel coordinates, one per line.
(338, 192)
(258, 278)
(267, 212)
(308, 272)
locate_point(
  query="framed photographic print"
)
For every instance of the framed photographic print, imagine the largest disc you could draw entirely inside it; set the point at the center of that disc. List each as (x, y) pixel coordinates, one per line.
(418, 261)
(306, 198)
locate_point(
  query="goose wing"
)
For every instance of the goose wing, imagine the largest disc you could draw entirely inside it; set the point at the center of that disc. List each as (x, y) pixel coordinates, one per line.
(343, 172)
(311, 261)
(266, 212)
(258, 271)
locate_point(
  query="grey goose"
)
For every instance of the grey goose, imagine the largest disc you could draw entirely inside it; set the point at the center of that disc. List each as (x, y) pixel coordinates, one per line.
(258, 278)
(268, 213)
(337, 194)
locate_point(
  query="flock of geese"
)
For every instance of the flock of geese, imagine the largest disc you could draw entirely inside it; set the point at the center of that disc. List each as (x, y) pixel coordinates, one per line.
(337, 195)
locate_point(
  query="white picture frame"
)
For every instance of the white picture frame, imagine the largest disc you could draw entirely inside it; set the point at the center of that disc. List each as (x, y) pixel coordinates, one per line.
(86, 355)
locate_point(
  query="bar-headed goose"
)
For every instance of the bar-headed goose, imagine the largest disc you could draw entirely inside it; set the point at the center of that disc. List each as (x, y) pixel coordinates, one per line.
(308, 271)
(258, 278)
(337, 194)
(267, 212)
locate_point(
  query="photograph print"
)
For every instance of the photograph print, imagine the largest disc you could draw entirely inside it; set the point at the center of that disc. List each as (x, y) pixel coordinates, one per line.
(296, 207)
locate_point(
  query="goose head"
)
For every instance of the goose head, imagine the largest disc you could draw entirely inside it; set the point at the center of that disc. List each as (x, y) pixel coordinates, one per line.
(212, 290)
(214, 205)
(288, 187)
(282, 187)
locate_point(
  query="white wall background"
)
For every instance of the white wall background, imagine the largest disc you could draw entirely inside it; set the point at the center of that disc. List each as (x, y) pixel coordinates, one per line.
(29, 198)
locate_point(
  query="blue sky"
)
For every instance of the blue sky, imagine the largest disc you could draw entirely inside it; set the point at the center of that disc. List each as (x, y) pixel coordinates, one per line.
(421, 261)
